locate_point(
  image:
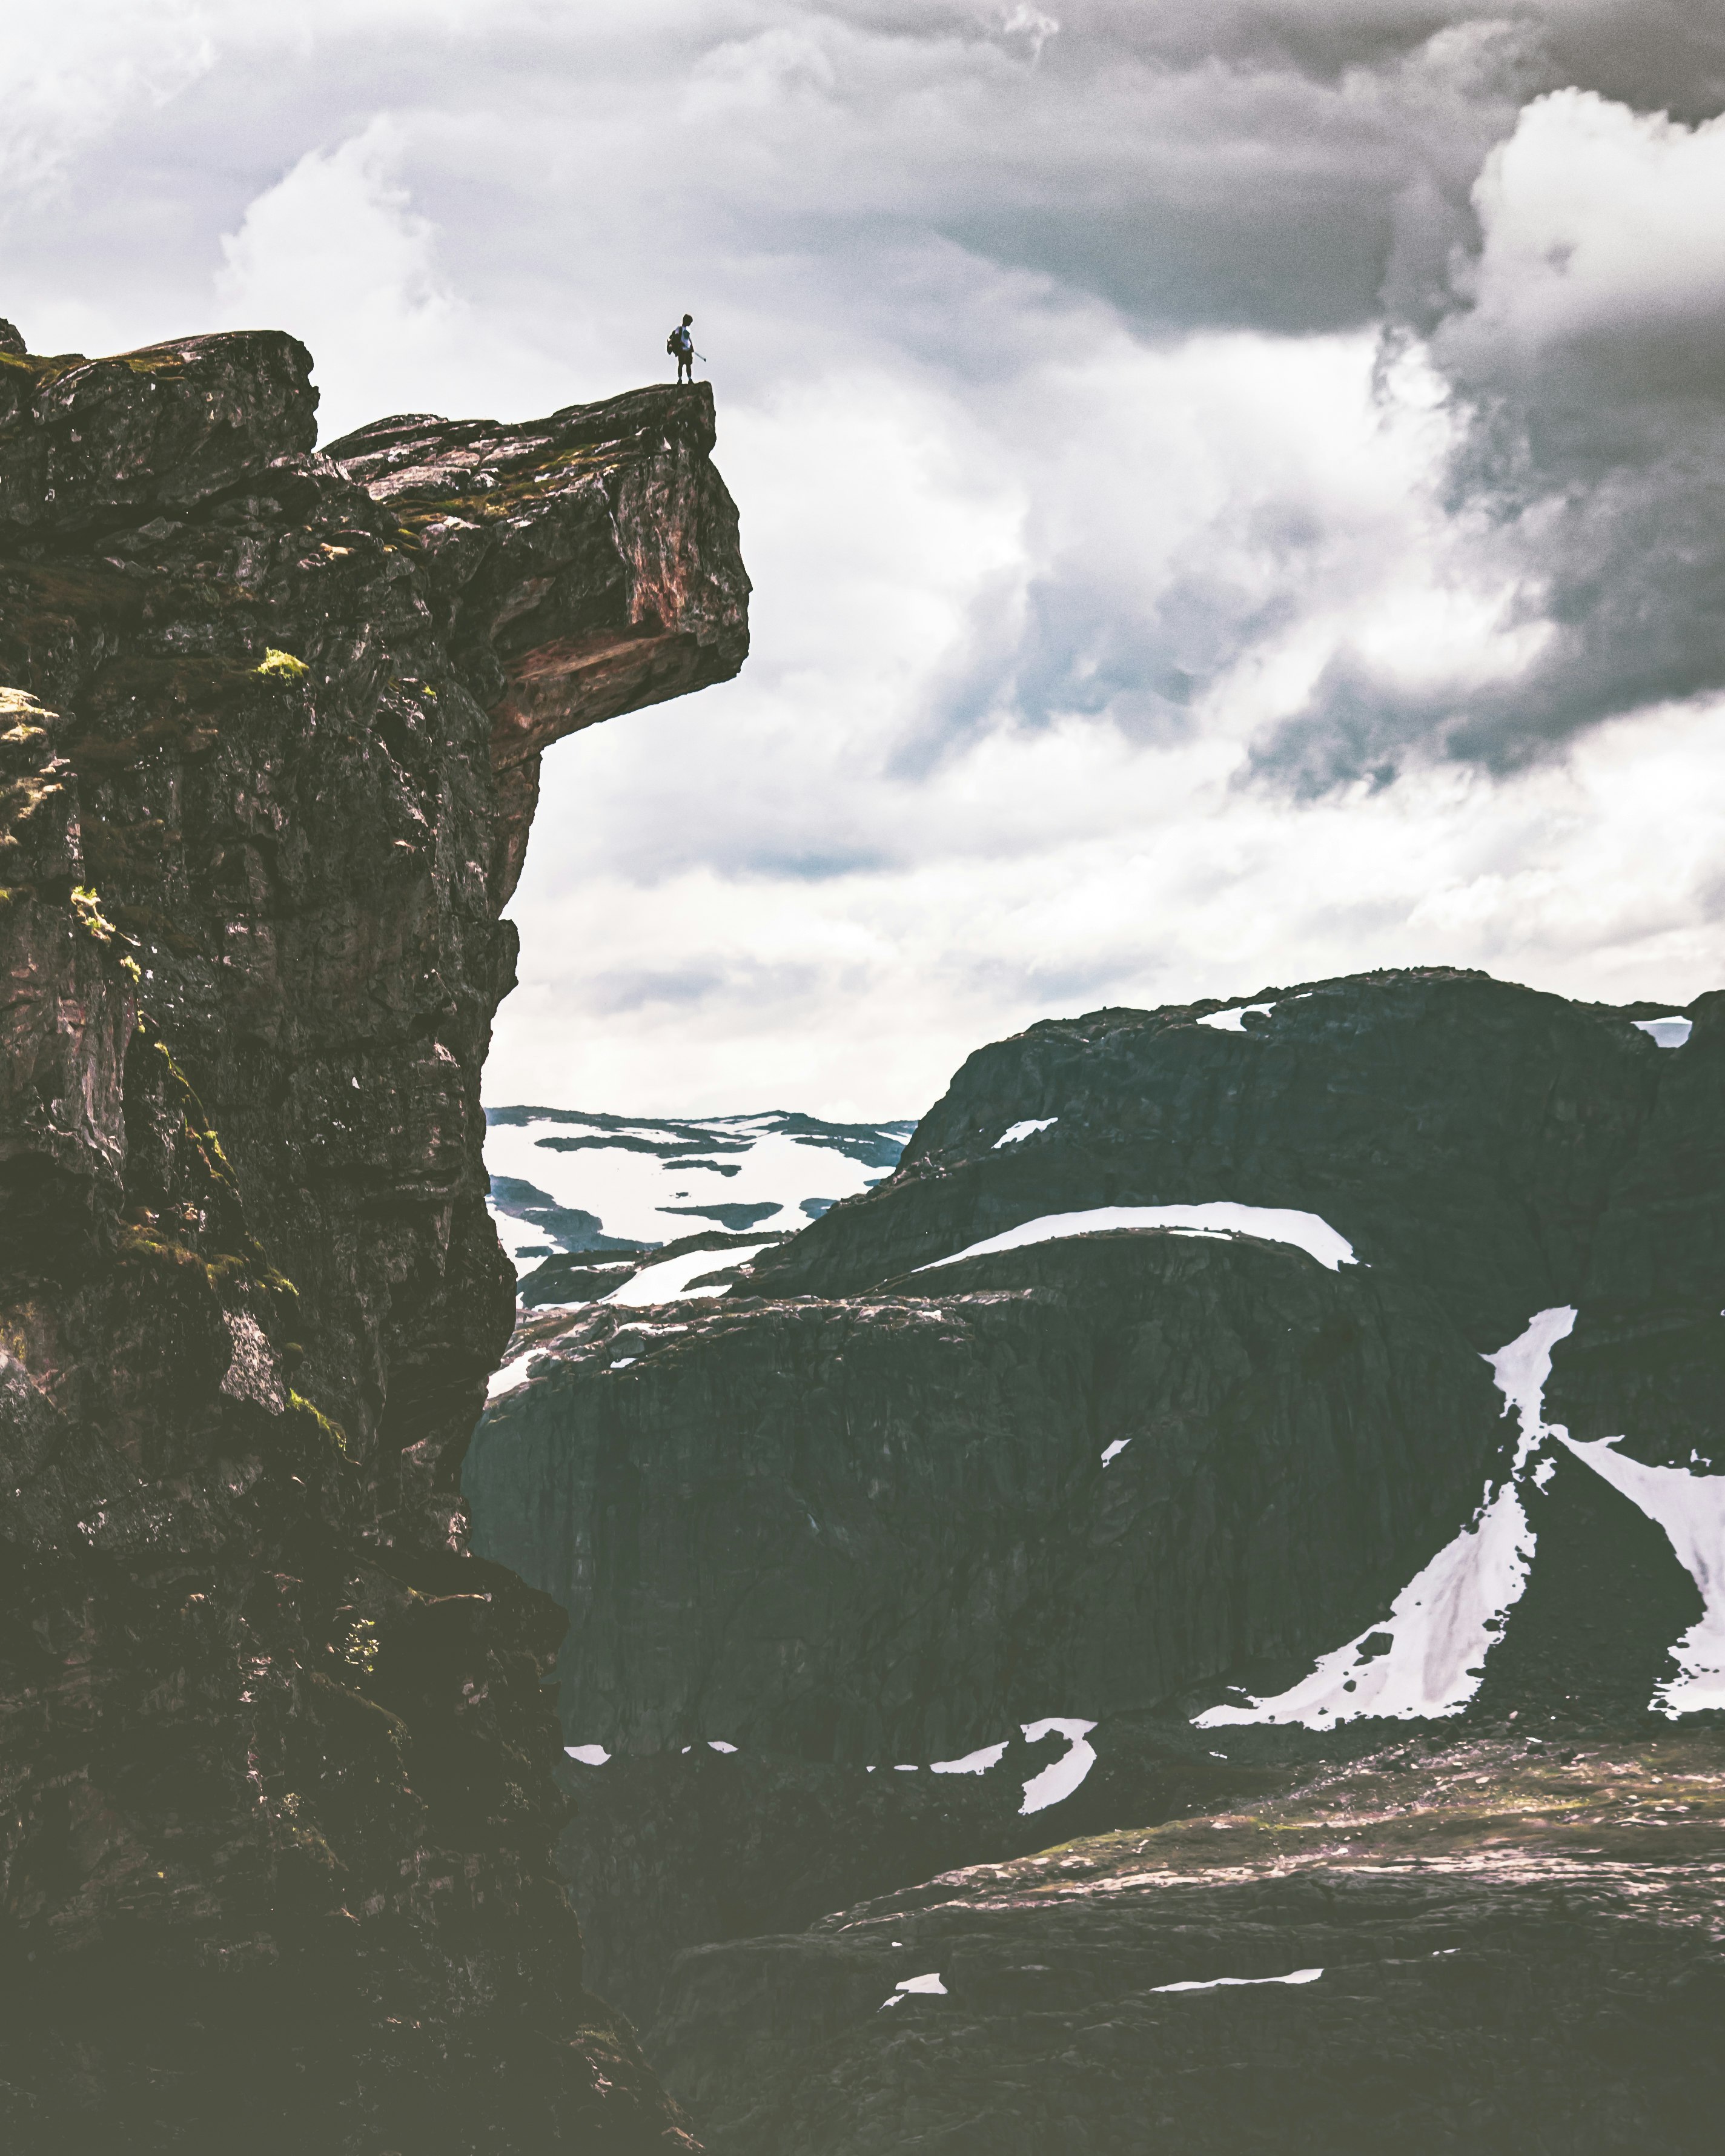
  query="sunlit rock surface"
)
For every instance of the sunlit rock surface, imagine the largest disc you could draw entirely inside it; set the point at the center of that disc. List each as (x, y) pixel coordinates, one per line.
(275, 1750)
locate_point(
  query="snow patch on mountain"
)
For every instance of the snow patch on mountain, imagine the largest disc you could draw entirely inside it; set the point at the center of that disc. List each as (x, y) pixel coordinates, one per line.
(1274, 1224)
(1060, 1779)
(1427, 1657)
(929, 1985)
(1231, 1982)
(681, 1275)
(1691, 1508)
(1019, 1132)
(973, 1763)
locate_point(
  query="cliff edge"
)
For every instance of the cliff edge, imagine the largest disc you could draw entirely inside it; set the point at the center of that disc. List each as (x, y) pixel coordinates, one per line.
(276, 1748)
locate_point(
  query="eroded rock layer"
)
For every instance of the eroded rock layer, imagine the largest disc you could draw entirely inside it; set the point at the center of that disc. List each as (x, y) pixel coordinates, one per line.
(274, 1750)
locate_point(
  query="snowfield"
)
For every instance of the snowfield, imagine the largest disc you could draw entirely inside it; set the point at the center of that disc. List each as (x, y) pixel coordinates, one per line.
(1691, 1508)
(564, 1181)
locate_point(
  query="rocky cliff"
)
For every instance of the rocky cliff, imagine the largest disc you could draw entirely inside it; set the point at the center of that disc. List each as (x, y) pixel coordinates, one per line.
(275, 1748)
(1211, 1393)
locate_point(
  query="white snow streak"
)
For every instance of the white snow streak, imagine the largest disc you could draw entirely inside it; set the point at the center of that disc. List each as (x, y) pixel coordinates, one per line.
(589, 1755)
(926, 1984)
(1019, 1132)
(1226, 1982)
(1060, 1779)
(1668, 1032)
(973, 1763)
(1520, 1372)
(1271, 1223)
(671, 1277)
(1691, 1508)
(509, 1377)
(1115, 1450)
(1234, 1021)
(1446, 1620)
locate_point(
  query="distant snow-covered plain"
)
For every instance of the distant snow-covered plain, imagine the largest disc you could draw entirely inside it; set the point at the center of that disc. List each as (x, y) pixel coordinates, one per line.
(566, 1181)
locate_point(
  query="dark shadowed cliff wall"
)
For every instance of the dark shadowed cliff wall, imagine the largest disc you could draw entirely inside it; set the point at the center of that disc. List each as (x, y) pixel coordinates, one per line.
(276, 1810)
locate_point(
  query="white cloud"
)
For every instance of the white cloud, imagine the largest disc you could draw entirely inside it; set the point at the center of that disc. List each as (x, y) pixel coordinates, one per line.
(1602, 244)
(337, 252)
(336, 244)
(75, 71)
(707, 991)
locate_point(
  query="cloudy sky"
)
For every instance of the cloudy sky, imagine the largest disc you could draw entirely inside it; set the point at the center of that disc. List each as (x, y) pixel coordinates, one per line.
(1236, 489)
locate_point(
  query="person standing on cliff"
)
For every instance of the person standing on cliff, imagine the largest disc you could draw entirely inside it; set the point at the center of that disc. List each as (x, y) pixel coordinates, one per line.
(682, 343)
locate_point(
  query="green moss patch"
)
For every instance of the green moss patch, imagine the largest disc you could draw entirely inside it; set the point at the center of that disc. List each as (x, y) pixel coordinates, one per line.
(316, 1423)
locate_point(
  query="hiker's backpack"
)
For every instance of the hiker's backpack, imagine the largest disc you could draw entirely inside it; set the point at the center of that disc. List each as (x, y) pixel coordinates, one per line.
(672, 346)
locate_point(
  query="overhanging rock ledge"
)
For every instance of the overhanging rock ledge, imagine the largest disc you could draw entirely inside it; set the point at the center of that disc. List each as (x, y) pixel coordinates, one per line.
(276, 1800)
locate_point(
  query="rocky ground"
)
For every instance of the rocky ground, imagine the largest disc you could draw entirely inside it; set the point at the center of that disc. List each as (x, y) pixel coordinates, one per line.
(276, 1802)
(1457, 1943)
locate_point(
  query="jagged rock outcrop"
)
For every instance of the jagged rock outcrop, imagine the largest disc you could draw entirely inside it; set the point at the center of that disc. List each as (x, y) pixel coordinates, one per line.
(883, 1502)
(275, 1750)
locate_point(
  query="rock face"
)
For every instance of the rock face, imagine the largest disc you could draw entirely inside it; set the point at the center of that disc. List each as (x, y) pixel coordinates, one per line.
(894, 1496)
(275, 1748)
(1470, 1133)
(880, 1528)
